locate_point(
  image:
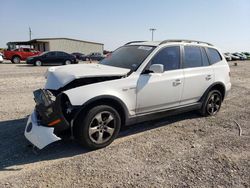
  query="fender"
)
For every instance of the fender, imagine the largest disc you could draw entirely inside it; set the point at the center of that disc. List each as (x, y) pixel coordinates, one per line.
(16, 55)
(210, 87)
(102, 99)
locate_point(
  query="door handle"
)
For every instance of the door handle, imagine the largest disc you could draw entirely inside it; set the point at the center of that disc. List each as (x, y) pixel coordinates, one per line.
(177, 82)
(209, 77)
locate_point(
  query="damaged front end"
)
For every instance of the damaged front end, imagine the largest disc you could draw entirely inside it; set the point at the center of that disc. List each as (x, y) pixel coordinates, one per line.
(54, 115)
(50, 118)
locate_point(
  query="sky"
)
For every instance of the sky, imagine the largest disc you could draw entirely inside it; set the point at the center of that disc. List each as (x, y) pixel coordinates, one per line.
(225, 23)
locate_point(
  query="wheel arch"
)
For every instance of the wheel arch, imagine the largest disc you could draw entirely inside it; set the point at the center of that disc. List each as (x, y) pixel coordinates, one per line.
(16, 55)
(68, 59)
(38, 60)
(218, 86)
(109, 100)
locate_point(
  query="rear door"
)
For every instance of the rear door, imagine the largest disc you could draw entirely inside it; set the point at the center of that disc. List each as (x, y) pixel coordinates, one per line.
(62, 57)
(198, 74)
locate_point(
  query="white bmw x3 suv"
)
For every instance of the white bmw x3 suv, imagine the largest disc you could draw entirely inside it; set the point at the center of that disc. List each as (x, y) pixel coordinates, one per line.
(138, 81)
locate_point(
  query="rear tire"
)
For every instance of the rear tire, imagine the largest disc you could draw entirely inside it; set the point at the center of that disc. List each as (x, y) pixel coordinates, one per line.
(16, 59)
(212, 103)
(98, 127)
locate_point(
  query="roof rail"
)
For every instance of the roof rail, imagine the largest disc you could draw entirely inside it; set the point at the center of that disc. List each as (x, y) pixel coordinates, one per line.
(184, 40)
(134, 42)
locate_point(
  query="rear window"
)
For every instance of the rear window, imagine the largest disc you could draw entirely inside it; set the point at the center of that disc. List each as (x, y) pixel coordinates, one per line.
(213, 55)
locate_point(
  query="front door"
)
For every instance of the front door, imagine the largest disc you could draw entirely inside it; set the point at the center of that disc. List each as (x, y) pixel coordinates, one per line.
(51, 58)
(156, 91)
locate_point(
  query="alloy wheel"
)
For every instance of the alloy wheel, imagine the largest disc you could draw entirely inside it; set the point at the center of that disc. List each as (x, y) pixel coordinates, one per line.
(16, 59)
(214, 103)
(67, 62)
(102, 127)
(38, 63)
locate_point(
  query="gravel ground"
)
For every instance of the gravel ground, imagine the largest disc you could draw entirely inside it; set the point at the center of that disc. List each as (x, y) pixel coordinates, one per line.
(180, 151)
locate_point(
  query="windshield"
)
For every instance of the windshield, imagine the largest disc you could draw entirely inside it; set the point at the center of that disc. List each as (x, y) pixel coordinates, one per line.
(129, 57)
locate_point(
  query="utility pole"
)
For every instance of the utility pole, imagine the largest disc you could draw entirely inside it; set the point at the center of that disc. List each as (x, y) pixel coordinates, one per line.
(152, 30)
(30, 33)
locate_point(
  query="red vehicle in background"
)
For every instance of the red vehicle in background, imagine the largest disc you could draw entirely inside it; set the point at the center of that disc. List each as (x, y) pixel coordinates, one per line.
(20, 54)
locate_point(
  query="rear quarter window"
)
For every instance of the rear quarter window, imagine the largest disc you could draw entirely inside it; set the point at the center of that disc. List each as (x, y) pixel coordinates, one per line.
(26, 50)
(205, 60)
(213, 55)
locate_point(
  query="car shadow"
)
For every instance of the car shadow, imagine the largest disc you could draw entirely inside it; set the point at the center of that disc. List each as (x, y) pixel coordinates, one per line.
(16, 150)
(25, 65)
(44, 65)
(9, 62)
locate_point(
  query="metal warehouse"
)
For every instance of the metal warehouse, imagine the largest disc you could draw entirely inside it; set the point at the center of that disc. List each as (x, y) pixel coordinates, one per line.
(60, 44)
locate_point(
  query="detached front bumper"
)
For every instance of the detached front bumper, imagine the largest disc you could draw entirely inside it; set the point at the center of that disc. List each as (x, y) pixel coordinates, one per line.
(47, 121)
(39, 135)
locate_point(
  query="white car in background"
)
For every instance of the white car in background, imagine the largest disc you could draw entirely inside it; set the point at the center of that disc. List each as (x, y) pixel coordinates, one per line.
(139, 81)
(234, 57)
(1, 58)
(228, 56)
(240, 55)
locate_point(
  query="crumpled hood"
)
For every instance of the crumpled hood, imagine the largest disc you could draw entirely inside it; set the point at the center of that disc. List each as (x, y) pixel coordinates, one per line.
(58, 77)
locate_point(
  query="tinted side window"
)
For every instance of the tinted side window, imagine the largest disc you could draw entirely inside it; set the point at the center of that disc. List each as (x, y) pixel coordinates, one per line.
(213, 55)
(169, 57)
(62, 54)
(26, 50)
(204, 57)
(192, 57)
(51, 54)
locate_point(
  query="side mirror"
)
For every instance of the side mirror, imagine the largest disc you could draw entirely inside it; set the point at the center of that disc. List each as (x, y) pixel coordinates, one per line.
(156, 68)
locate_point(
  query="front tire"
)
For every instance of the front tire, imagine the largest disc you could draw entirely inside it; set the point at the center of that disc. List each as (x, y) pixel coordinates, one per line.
(212, 103)
(38, 63)
(98, 127)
